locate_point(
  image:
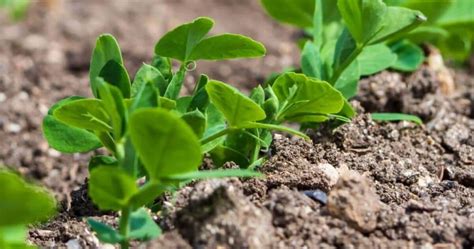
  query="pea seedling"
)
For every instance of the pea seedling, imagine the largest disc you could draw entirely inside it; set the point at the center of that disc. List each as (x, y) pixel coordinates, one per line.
(16, 214)
(349, 43)
(143, 125)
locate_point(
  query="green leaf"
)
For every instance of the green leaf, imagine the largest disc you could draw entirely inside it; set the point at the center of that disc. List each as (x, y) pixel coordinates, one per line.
(180, 42)
(396, 117)
(215, 123)
(311, 64)
(227, 46)
(105, 233)
(299, 95)
(165, 143)
(65, 138)
(163, 64)
(147, 194)
(142, 226)
(114, 106)
(432, 10)
(196, 120)
(258, 95)
(106, 49)
(146, 94)
(236, 107)
(13, 237)
(173, 89)
(294, 12)
(148, 75)
(167, 103)
(344, 50)
(116, 75)
(222, 154)
(363, 18)
(347, 110)
(106, 140)
(348, 81)
(409, 56)
(200, 99)
(216, 173)
(13, 194)
(110, 188)
(375, 58)
(97, 161)
(398, 20)
(459, 15)
(430, 34)
(84, 113)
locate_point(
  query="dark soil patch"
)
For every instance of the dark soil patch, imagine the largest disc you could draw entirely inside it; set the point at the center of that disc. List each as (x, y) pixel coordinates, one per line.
(363, 185)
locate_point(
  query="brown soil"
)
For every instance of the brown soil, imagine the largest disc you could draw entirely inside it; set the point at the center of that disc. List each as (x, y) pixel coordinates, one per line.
(363, 185)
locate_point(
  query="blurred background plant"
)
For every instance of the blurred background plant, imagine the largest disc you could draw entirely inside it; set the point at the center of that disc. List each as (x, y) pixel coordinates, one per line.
(449, 27)
(21, 204)
(16, 9)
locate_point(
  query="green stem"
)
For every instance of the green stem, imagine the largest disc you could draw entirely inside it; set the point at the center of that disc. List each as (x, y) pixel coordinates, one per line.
(346, 64)
(256, 149)
(216, 135)
(273, 127)
(124, 227)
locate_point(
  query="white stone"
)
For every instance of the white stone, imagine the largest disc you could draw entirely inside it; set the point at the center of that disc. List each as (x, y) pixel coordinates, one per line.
(13, 128)
(425, 181)
(3, 97)
(331, 173)
(73, 244)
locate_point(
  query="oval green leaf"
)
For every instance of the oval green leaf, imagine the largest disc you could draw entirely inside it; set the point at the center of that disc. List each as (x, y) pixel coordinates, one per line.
(106, 49)
(65, 138)
(84, 113)
(13, 208)
(180, 42)
(236, 107)
(227, 46)
(294, 12)
(165, 143)
(110, 188)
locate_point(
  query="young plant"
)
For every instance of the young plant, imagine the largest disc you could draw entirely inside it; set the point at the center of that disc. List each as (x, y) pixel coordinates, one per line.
(348, 44)
(248, 121)
(449, 27)
(15, 8)
(150, 131)
(22, 204)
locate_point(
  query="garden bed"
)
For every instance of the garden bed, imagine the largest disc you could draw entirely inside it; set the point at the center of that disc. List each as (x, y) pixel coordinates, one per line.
(363, 185)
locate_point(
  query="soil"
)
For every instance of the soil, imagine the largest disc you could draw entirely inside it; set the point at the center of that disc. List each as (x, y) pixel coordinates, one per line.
(363, 185)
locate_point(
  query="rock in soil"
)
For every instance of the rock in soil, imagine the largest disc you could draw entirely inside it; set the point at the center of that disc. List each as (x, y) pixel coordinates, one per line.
(218, 215)
(352, 199)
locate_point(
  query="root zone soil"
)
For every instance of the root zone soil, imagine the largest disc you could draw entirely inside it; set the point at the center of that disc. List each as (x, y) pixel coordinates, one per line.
(363, 185)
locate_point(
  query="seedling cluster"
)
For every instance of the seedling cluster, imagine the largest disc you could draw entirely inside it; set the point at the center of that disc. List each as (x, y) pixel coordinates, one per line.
(156, 136)
(154, 133)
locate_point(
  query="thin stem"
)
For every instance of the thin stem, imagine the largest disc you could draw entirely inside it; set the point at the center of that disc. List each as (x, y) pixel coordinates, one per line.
(273, 127)
(124, 227)
(256, 149)
(346, 63)
(216, 135)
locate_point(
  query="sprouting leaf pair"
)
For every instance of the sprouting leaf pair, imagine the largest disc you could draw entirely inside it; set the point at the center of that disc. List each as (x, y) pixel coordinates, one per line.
(16, 214)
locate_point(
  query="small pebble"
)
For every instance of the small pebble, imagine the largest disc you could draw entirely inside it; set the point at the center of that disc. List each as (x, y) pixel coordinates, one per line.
(73, 244)
(317, 195)
(54, 153)
(3, 97)
(331, 173)
(13, 128)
